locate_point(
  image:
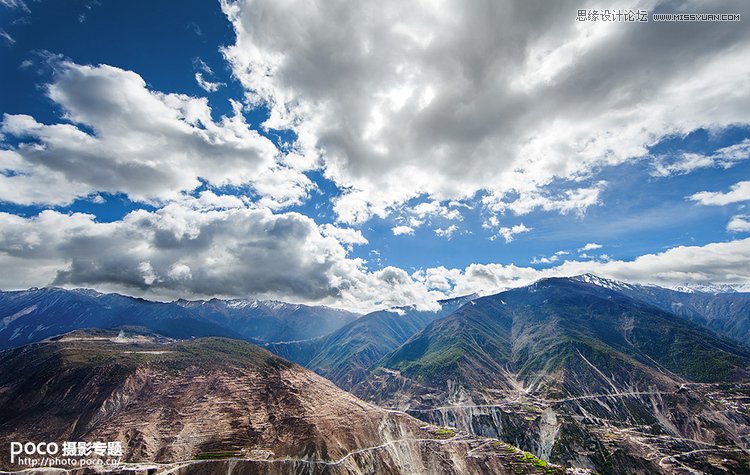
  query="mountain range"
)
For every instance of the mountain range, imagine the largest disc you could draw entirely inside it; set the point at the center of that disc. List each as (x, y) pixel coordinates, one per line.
(579, 373)
(585, 372)
(35, 314)
(719, 308)
(346, 355)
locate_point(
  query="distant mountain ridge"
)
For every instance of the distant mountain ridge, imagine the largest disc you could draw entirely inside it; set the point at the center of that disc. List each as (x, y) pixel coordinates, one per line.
(35, 314)
(726, 312)
(270, 320)
(346, 355)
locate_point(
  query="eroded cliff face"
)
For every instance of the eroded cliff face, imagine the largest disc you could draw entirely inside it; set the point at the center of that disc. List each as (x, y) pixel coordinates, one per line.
(702, 427)
(173, 403)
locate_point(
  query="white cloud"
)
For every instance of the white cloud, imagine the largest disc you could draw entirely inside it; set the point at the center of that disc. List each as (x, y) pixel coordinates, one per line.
(201, 65)
(201, 247)
(6, 35)
(739, 224)
(446, 99)
(592, 246)
(348, 237)
(576, 200)
(545, 260)
(724, 262)
(509, 233)
(738, 192)
(549, 259)
(429, 209)
(401, 230)
(725, 157)
(149, 145)
(204, 70)
(207, 85)
(431, 212)
(215, 245)
(446, 232)
(19, 4)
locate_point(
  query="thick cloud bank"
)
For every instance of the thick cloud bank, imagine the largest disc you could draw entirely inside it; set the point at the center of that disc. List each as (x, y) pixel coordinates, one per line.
(218, 246)
(449, 98)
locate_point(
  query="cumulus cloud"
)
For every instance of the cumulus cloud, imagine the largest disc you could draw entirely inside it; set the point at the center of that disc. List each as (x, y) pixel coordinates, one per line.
(506, 232)
(446, 99)
(737, 193)
(429, 212)
(739, 224)
(348, 237)
(215, 245)
(206, 246)
(544, 260)
(592, 246)
(576, 200)
(125, 138)
(724, 262)
(446, 232)
(401, 230)
(549, 259)
(509, 233)
(429, 209)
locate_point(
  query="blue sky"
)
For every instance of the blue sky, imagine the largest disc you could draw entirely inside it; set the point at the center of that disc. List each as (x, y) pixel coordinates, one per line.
(410, 165)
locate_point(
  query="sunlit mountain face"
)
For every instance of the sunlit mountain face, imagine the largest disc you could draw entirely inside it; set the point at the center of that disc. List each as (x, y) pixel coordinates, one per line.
(514, 234)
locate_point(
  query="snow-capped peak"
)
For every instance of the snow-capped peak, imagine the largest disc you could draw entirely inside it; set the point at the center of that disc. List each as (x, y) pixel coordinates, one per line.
(711, 288)
(610, 284)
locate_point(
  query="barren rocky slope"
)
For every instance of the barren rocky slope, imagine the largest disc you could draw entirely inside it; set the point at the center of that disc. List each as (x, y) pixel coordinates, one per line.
(217, 405)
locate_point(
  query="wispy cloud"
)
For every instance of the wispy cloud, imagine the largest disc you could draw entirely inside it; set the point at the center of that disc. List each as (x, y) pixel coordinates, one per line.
(725, 157)
(207, 86)
(15, 4)
(737, 193)
(4, 34)
(592, 246)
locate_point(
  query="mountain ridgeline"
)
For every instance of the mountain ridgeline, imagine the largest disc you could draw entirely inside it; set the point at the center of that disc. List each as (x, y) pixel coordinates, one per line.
(726, 313)
(578, 373)
(35, 314)
(346, 356)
